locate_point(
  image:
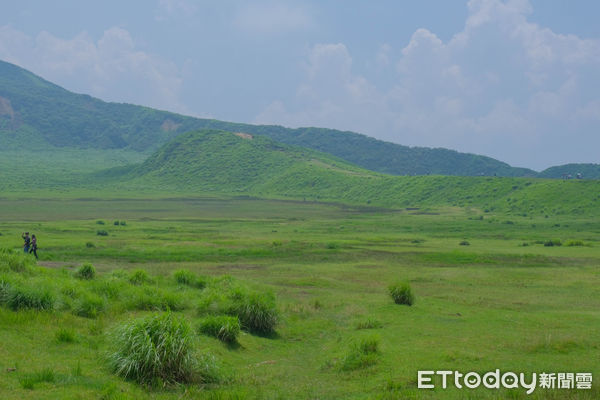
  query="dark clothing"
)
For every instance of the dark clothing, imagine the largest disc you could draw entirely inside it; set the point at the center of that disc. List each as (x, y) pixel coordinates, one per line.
(26, 244)
(34, 247)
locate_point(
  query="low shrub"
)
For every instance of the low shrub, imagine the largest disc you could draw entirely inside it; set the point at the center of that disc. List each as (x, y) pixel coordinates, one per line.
(65, 335)
(369, 324)
(101, 232)
(361, 355)
(38, 298)
(551, 243)
(90, 245)
(100, 222)
(89, 305)
(155, 350)
(464, 243)
(256, 311)
(5, 288)
(223, 327)
(188, 278)
(28, 381)
(139, 277)
(156, 300)
(15, 262)
(70, 290)
(572, 243)
(86, 271)
(110, 287)
(402, 293)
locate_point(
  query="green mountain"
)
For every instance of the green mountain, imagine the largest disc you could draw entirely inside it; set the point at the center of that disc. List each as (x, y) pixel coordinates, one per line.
(585, 171)
(223, 162)
(40, 115)
(215, 160)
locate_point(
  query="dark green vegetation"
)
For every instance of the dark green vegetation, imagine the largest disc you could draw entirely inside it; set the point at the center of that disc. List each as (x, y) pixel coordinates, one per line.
(587, 171)
(216, 161)
(493, 304)
(36, 114)
(155, 351)
(401, 293)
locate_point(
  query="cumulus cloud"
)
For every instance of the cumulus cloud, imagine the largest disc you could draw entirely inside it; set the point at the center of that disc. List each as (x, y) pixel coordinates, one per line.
(330, 92)
(503, 86)
(111, 67)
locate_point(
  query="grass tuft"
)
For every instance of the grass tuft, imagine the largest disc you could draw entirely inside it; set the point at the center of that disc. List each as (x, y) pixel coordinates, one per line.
(38, 298)
(361, 355)
(256, 311)
(86, 271)
(15, 262)
(28, 381)
(155, 350)
(402, 293)
(223, 327)
(89, 305)
(65, 335)
(369, 324)
(188, 278)
(139, 277)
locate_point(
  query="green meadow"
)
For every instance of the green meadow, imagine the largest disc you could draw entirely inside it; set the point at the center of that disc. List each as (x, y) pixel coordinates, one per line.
(493, 290)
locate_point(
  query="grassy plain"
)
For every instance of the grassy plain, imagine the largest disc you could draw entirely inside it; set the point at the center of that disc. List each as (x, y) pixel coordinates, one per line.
(503, 301)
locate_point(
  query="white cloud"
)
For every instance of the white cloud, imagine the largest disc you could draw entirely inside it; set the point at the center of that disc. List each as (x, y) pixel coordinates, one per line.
(272, 18)
(503, 86)
(111, 67)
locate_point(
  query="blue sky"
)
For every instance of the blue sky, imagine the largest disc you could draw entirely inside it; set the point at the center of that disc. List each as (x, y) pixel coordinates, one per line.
(516, 80)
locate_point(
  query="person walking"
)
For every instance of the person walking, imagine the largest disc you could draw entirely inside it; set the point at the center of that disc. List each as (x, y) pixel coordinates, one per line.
(34, 246)
(27, 242)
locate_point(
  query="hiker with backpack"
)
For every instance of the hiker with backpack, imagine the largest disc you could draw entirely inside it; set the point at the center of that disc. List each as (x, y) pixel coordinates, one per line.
(34, 246)
(27, 242)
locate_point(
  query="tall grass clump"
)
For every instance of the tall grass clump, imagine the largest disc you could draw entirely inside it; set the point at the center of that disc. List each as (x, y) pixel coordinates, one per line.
(223, 327)
(65, 335)
(155, 350)
(86, 271)
(38, 298)
(401, 293)
(361, 355)
(257, 311)
(145, 298)
(5, 288)
(28, 381)
(89, 305)
(188, 278)
(15, 262)
(139, 277)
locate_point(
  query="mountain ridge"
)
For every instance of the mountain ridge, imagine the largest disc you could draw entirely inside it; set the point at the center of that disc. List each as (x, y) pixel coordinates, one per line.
(215, 161)
(43, 114)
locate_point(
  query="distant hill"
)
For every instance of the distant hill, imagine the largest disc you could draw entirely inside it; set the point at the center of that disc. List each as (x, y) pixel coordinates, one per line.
(224, 162)
(586, 171)
(40, 114)
(215, 160)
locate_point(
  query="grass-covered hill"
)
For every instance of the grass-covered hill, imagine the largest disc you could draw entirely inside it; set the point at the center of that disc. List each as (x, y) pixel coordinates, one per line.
(224, 162)
(214, 160)
(43, 115)
(587, 171)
